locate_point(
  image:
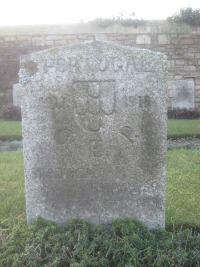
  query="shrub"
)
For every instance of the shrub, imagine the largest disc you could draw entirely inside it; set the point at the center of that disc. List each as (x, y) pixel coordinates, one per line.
(188, 15)
(79, 244)
(183, 143)
(11, 113)
(101, 22)
(11, 146)
(178, 113)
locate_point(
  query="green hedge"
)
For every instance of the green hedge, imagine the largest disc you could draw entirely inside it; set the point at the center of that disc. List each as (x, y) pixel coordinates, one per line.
(186, 15)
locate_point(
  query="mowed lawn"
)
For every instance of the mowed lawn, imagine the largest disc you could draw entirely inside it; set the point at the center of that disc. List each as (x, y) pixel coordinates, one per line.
(12, 194)
(183, 187)
(10, 130)
(183, 128)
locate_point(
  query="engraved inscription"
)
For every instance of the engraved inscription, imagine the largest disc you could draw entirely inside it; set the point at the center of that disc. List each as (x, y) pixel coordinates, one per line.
(74, 64)
(94, 89)
(145, 101)
(114, 64)
(117, 64)
(94, 97)
(137, 101)
(93, 106)
(103, 65)
(127, 132)
(130, 101)
(108, 99)
(97, 148)
(94, 124)
(62, 120)
(92, 100)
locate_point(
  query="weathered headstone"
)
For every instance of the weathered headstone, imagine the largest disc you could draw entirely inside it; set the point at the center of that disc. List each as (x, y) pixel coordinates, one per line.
(183, 94)
(17, 94)
(94, 131)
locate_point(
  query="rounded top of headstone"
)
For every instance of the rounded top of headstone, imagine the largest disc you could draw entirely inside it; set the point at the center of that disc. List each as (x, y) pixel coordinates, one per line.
(93, 45)
(89, 59)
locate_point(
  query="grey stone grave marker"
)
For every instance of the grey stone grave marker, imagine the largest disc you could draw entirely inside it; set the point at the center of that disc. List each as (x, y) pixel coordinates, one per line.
(94, 131)
(17, 95)
(183, 94)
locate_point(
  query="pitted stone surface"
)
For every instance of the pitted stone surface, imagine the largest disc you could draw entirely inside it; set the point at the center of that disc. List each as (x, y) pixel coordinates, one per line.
(94, 131)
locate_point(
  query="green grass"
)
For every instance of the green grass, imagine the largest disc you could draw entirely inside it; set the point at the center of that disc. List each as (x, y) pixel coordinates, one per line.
(80, 244)
(12, 196)
(183, 187)
(183, 128)
(10, 130)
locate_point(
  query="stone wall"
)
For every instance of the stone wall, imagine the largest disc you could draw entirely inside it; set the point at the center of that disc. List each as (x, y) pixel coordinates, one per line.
(180, 43)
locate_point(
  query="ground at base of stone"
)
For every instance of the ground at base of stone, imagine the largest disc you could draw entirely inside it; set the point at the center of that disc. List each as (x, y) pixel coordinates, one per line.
(183, 143)
(14, 145)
